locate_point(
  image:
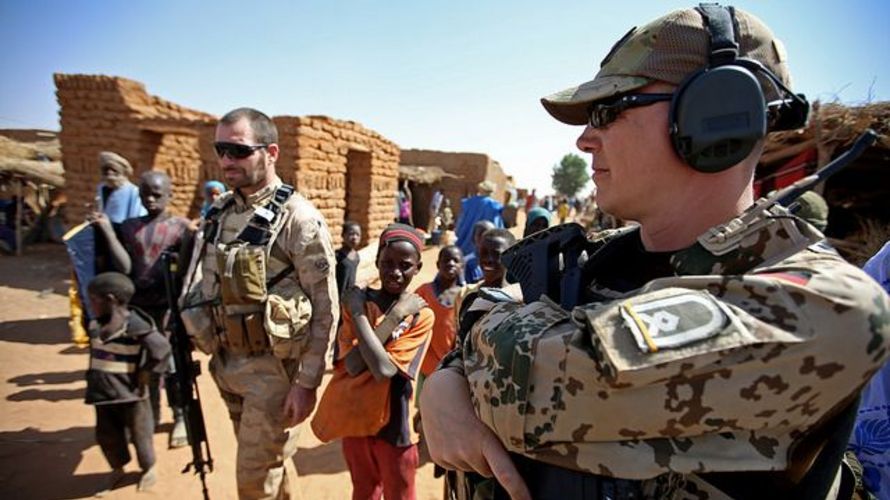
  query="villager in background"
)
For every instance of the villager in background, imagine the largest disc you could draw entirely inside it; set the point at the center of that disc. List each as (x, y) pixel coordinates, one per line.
(212, 190)
(474, 209)
(117, 199)
(472, 270)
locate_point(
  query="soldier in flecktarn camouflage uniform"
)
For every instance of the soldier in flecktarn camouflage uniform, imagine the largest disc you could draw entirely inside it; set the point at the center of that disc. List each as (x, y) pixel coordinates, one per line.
(261, 296)
(719, 347)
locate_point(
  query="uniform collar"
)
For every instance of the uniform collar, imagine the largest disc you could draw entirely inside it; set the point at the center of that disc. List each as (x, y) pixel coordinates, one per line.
(261, 196)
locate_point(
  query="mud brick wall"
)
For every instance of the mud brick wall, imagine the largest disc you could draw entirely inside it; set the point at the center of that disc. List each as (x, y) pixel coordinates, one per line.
(104, 113)
(346, 170)
(470, 169)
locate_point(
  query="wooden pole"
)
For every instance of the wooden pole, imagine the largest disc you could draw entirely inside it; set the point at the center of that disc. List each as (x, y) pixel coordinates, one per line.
(18, 218)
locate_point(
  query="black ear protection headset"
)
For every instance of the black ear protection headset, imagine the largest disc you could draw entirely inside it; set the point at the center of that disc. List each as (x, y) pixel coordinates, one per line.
(719, 113)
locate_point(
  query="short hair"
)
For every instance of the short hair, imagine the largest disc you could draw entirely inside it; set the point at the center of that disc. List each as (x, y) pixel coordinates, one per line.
(264, 129)
(499, 233)
(156, 174)
(448, 248)
(116, 284)
(482, 225)
(351, 223)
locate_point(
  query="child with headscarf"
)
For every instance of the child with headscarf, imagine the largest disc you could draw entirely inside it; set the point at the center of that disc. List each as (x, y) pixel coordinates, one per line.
(382, 342)
(212, 190)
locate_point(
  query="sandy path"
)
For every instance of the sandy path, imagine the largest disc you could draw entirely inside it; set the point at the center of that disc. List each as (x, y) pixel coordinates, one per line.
(47, 448)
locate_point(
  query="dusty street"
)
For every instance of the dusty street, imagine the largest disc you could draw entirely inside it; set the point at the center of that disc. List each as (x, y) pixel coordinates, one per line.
(47, 448)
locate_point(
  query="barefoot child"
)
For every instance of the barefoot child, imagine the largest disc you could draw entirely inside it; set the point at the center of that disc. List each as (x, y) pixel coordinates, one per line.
(368, 401)
(125, 348)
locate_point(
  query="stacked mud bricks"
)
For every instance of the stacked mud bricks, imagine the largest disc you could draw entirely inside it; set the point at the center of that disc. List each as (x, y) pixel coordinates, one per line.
(347, 171)
(470, 169)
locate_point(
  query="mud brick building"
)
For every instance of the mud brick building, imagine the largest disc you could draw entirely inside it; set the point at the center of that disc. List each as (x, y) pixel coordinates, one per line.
(467, 171)
(346, 170)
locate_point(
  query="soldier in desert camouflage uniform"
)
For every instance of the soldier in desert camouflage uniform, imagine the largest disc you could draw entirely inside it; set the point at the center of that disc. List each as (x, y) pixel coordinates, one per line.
(264, 301)
(720, 343)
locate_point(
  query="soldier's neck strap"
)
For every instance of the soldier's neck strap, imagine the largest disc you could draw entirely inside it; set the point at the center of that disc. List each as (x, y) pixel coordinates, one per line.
(261, 226)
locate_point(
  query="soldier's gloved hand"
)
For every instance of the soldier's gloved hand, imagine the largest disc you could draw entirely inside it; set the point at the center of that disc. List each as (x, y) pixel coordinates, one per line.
(446, 411)
(408, 304)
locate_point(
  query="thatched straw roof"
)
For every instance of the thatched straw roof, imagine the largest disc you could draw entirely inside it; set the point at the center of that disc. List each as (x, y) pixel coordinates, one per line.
(40, 172)
(832, 128)
(423, 174)
(38, 162)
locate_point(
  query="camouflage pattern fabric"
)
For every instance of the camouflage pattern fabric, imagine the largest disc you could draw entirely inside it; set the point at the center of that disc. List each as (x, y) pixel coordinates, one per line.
(254, 387)
(760, 336)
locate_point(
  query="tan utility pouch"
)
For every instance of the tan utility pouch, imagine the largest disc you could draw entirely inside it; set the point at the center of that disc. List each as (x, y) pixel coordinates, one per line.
(287, 323)
(197, 318)
(242, 283)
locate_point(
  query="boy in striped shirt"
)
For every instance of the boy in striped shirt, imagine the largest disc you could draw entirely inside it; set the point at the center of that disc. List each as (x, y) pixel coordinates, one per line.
(125, 348)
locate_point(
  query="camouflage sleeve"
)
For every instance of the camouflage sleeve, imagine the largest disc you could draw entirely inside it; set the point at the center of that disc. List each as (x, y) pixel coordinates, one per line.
(308, 241)
(696, 373)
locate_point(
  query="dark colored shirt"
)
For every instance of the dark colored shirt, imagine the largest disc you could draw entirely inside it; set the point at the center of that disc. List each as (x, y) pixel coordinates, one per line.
(117, 358)
(144, 240)
(347, 269)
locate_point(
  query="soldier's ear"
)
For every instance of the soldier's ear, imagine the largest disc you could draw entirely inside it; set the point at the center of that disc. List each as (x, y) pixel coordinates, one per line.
(272, 150)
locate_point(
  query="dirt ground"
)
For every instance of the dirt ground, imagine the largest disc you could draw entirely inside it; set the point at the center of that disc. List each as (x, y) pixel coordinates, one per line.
(47, 448)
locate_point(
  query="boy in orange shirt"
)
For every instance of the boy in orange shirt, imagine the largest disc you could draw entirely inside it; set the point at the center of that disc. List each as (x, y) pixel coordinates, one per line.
(441, 294)
(381, 345)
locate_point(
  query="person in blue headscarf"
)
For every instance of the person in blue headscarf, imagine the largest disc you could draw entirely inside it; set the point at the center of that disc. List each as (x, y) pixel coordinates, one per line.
(537, 219)
(212, 189)
(475, 209)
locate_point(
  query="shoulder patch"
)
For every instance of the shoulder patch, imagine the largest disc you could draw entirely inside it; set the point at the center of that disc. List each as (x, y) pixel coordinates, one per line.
(674, 321)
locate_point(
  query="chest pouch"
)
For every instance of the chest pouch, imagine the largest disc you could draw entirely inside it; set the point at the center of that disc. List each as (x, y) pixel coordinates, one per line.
(254, 319)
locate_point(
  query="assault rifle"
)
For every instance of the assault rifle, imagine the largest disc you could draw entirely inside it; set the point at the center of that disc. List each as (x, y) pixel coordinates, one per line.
(547, 262)
(187, 371)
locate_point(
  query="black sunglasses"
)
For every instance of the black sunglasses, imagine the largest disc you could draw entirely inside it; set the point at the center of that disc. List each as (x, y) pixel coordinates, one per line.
(236, 151)
(601, 114)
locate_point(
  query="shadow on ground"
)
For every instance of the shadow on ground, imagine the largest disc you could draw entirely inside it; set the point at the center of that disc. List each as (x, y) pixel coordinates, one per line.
(37, 331)
(323, 459)
(58, 454)
(47, 378)
(44, 267)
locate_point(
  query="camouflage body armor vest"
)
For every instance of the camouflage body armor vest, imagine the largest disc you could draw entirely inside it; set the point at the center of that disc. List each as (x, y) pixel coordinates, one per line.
(760, 337)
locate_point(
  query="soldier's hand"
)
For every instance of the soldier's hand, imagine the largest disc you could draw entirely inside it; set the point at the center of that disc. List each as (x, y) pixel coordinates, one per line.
(446, 411)
(298, 404)
(408, 304)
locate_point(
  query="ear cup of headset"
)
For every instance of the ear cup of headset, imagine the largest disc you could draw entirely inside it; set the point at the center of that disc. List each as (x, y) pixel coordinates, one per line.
(717, 116)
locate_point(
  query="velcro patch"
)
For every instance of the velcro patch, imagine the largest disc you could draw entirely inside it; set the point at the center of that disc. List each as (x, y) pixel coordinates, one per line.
(674, 321)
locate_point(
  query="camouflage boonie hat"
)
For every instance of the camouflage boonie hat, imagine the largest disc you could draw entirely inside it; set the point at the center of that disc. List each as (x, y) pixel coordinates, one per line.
(668, 49)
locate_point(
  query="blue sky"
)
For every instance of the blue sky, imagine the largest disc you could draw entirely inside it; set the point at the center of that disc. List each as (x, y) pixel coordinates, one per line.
(454, 76)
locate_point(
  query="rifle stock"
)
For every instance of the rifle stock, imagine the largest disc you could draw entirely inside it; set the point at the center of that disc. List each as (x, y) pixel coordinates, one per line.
(187, 371)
